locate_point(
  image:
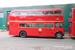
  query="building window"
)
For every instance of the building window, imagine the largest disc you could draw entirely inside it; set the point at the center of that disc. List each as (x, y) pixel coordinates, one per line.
(1, 15)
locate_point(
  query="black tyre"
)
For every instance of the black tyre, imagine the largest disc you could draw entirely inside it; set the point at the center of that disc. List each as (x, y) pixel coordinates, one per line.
(23, 34)
(59, 35)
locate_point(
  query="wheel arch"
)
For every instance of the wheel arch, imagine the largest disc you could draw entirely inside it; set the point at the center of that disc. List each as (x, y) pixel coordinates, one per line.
(21, 31)
(60, 32)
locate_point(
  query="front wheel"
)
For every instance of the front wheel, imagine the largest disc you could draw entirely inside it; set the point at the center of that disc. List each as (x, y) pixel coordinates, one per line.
(23, 34)
(59, 35)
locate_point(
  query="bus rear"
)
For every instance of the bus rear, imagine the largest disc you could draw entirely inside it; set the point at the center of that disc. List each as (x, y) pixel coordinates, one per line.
(72, 22)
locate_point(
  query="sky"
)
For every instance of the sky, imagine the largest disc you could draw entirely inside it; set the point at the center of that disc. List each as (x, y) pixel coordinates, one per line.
(18, 3)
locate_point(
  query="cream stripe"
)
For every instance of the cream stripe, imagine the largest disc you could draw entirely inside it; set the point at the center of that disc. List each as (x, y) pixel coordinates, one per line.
(73, 36)
(35, 21)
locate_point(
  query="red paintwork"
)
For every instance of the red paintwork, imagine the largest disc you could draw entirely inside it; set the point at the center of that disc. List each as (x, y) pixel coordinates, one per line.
(46, 32)
(72, 29)
(8, 15)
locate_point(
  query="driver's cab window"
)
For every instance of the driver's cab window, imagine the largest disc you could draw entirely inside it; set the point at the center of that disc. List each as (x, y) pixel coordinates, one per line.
(61, 25)
(56, 25)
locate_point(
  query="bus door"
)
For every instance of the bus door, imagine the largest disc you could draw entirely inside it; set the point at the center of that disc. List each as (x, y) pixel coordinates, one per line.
(8, 15)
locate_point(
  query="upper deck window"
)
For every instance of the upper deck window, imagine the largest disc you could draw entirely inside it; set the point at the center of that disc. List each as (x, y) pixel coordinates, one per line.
(70, 14)
(23, 13)
(31, 13)
(58, 13)
(40, 13)
(15, 13)
(49, 13)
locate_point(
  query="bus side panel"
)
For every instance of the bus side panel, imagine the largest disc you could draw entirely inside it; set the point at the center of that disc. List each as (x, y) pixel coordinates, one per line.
(29, 31)
(57, 29)
(70, 31)
(60, 29)
(46, 32)
(73, 29)
(13, 28)
(73, 24)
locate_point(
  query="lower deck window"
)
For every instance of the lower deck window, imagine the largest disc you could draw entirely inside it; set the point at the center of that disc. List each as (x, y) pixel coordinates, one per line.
(49, 25)
(39, 25)
(23, 25)
(70, 24)
(31, 25)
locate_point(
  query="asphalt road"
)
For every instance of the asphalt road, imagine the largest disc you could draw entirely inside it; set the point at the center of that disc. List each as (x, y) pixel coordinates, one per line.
(8, 42)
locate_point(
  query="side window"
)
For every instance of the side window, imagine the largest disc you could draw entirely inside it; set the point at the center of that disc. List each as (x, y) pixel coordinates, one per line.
(40, 13)
(70, 24)
(23, 13)
(31, 13)
(49, 25)
(31, 25)
(61, 25)
(56, 25)
(49, 13)
(70, 14)
(58, 13)
(39, 25)
(1, 15)
(15, 13)
(23, 25)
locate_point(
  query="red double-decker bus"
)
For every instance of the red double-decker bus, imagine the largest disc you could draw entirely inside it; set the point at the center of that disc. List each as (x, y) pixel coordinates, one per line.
(72, 23)
(37, 22)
